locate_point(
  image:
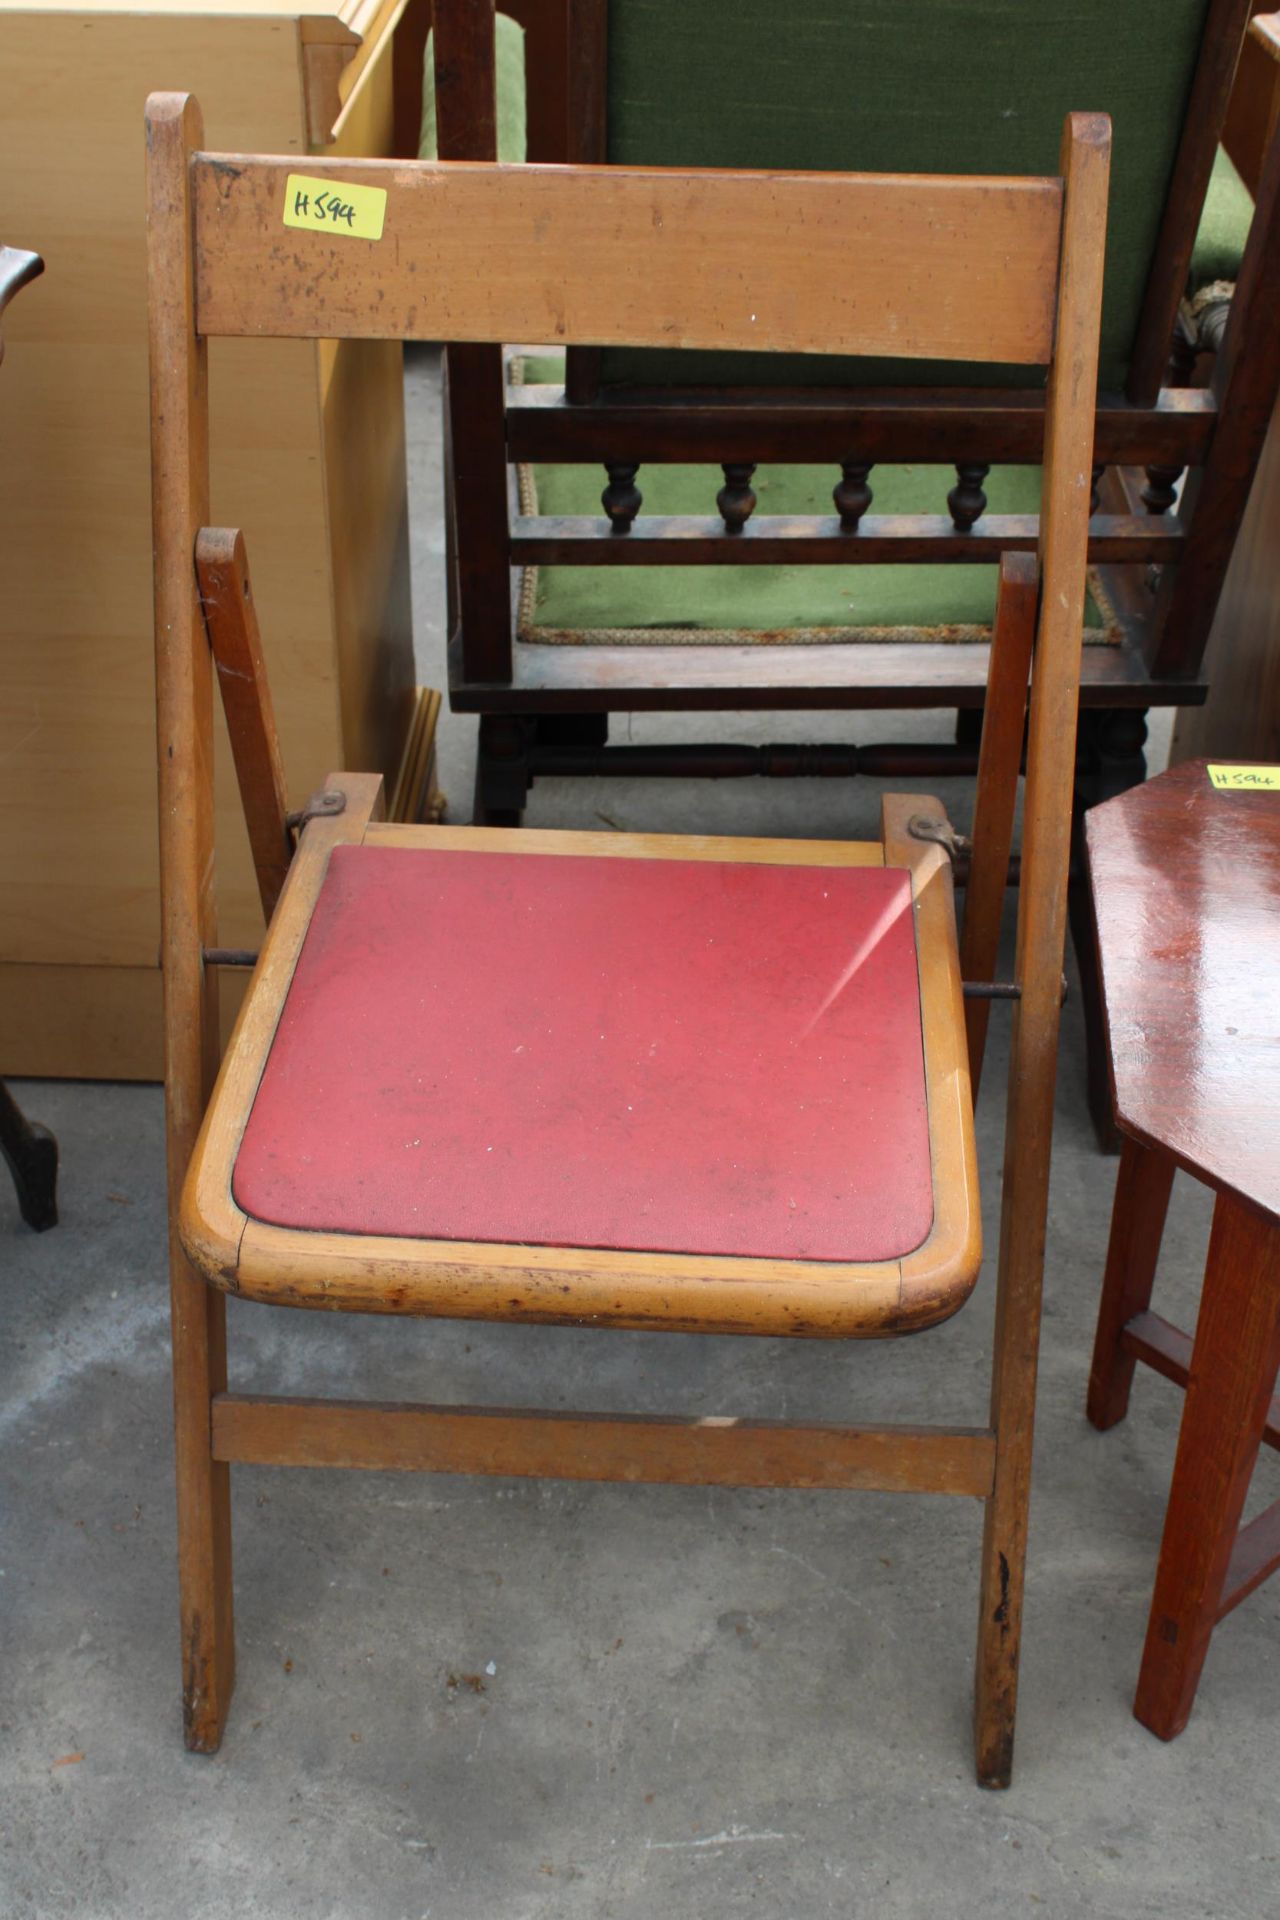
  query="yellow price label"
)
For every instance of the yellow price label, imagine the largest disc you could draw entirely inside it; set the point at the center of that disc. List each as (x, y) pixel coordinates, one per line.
(1246, 779)
(334, 206)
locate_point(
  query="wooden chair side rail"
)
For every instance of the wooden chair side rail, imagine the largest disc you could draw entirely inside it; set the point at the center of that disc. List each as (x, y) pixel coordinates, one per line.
(184, 724)
(213, 1426)
(1041, 932)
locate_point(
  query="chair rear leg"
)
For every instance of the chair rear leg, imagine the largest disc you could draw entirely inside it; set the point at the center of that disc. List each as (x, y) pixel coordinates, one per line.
(1028, 1130)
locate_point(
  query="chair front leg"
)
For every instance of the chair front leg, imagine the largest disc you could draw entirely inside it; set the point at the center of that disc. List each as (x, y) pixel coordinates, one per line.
(204, 1506)
(1024, 1208)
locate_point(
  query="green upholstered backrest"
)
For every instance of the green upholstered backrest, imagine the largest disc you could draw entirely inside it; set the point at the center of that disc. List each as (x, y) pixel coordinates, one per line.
(907, 86)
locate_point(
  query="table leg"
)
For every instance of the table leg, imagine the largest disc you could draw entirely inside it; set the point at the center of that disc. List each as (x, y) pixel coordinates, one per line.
(1137, 1225)
(1233, 1371)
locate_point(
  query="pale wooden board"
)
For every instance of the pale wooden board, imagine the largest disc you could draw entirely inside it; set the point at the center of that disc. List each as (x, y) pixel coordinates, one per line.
(92, 1023)
(78, 863)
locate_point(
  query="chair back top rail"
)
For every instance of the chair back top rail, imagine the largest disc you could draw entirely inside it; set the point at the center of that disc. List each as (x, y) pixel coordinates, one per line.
(801, 262)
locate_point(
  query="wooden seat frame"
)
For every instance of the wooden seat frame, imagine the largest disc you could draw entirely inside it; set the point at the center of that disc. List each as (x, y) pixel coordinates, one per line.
(457, 259)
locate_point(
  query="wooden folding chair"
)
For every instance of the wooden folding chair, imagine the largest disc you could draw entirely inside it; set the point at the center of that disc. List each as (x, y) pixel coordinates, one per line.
(705, 1085)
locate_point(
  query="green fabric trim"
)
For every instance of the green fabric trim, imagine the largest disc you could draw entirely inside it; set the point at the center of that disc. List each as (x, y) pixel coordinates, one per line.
(1224, 227)
(945, 86)
(508, 87)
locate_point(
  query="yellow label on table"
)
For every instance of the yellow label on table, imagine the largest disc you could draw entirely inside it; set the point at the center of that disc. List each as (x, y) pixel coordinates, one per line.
(334, 206)
(1246, 779)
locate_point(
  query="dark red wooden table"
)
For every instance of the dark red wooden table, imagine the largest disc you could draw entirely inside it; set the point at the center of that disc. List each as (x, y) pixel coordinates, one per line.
(1186, 885)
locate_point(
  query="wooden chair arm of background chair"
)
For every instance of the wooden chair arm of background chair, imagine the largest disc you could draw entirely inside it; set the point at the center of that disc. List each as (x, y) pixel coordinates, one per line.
(1254, 113)
(231, 619)
(16, 269)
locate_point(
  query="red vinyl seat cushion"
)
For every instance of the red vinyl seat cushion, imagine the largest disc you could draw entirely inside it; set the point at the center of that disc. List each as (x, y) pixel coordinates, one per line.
(678, 1056)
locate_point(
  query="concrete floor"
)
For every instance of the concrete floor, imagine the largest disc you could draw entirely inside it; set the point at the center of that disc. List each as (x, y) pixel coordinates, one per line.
(493, 1700)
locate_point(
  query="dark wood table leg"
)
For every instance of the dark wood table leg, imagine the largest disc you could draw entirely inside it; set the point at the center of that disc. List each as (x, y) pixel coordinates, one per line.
(1233, 1371)
(1084, 940)
(502, 770)
(1137, 1226)
(32, 1156)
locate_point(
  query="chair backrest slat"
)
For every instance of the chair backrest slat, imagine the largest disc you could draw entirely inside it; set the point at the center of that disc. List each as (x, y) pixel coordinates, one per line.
(918, 266)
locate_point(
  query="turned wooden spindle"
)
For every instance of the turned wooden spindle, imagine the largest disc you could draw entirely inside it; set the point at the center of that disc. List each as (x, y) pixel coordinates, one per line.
(736, 498)
(966, 501)
(1161, 489)
(622, 498)
(852, 495)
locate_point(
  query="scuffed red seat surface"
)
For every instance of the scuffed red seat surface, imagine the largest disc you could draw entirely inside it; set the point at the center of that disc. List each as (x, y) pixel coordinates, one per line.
(677, 1056)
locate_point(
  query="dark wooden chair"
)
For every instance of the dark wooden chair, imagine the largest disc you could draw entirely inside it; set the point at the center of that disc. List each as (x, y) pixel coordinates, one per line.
(606, 1079)
(675, 82)
(30, 1150)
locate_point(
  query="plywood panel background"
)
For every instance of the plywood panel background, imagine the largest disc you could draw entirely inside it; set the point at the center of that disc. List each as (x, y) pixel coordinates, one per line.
(78, 863)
